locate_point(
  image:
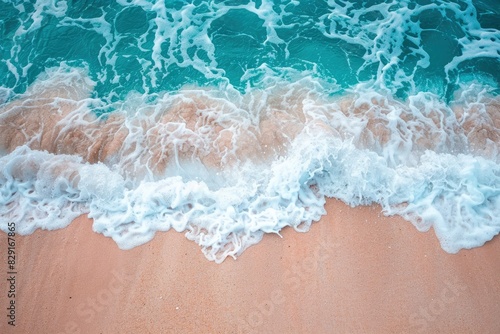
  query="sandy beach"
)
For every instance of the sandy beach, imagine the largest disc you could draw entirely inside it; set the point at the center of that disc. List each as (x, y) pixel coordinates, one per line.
(145, 144)
(356, 271)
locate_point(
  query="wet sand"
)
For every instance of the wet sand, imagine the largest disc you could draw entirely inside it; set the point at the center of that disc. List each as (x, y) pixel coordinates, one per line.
(356, 271)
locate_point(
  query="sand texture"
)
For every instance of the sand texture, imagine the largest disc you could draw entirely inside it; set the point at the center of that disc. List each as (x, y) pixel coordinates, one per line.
(356, 271)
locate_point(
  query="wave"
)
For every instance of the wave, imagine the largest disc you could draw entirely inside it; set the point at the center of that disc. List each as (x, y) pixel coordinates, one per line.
(226, 167)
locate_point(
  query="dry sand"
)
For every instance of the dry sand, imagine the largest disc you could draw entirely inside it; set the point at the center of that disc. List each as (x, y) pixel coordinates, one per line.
(354, 272)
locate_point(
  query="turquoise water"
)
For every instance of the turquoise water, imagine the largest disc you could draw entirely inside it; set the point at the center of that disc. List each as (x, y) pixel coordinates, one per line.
(237, 118)
(405, 46)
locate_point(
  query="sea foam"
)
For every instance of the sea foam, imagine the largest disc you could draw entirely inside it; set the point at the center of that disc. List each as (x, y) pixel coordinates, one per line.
(226, 120)
(226, 167)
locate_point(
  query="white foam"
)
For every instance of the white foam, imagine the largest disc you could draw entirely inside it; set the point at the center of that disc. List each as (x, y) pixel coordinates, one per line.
(391, 35)
(227, 167)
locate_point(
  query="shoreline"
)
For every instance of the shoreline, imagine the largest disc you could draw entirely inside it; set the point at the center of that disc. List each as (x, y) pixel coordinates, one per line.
(355, 271)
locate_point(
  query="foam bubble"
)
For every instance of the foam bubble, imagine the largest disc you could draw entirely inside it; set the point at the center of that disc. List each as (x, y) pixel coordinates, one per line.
(227, 167)
(227, 120)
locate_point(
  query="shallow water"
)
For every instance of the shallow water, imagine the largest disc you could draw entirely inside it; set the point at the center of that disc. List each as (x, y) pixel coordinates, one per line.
(230, 119)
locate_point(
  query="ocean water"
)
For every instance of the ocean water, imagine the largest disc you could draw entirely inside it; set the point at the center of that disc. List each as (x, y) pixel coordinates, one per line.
(226, 120)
